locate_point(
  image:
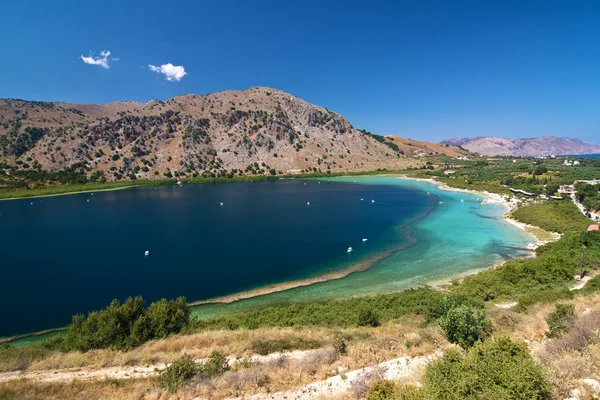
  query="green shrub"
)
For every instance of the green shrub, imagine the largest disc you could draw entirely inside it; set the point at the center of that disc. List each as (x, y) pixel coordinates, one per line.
(495, 369)
(368, 318)
(339, 344)
(560, 320)
(264, 347)
(382, 390)
(338, 313)
(216, 365)
(179, 372)
(123, 326)
(388, 390)
(464, 327)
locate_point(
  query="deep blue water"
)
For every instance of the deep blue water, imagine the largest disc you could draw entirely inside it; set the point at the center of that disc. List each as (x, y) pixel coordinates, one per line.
(64, 255)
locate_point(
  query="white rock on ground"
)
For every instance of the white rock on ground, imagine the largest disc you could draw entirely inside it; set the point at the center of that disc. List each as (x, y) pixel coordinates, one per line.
(395, 369)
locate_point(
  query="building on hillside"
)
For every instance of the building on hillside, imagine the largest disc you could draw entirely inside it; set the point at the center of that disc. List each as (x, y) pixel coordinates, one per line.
(592, 228)
(567, 189)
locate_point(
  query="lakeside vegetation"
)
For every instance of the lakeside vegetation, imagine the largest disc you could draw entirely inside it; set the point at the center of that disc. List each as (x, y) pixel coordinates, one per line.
(62, 188)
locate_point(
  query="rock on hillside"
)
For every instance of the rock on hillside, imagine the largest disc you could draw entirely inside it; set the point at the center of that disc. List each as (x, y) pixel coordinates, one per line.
(542, 146)
(254, 131)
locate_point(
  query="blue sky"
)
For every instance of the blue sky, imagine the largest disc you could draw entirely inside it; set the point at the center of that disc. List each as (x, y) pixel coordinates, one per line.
(422, 69)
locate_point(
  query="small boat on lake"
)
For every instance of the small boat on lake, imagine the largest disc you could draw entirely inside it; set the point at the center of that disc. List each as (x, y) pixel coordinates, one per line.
(364, 240)
(147, 253)
(349, 250)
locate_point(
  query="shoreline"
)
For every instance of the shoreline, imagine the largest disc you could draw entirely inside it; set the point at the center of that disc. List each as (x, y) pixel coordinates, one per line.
(72, 193)
(492, 198)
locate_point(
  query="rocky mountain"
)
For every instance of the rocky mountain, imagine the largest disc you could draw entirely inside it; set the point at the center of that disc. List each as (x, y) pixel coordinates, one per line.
(254, 131)
(532, 147)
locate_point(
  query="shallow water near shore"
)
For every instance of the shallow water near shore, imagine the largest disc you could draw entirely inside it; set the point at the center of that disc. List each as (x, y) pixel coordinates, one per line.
(458, 236)
(66, 255)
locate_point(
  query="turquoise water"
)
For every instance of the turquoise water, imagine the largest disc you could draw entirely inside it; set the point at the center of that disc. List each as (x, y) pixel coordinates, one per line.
(456, 237)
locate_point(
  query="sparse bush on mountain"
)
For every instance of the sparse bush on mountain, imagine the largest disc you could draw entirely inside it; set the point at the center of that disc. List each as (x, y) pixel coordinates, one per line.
(495, 369)
(560, 320)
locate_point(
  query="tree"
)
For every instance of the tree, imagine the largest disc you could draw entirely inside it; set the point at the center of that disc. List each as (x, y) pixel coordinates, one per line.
(552, 188)
(123, 326)
(464, 327)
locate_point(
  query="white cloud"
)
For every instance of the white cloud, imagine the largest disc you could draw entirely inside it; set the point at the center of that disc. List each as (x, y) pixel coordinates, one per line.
(102, 60)
(170, 71)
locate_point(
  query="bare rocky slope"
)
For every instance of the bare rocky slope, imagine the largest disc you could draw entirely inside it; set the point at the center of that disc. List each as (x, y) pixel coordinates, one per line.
(532, 147)
(230, 133)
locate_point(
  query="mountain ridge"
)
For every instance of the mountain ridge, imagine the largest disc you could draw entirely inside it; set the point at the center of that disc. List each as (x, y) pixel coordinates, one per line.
(259, 130)
(525, 147)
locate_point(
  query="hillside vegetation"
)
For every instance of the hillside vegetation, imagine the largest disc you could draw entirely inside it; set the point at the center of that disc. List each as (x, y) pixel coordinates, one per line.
(230, 134)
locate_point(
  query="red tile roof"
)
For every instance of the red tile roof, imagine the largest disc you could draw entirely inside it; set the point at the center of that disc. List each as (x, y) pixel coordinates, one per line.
(593, 228)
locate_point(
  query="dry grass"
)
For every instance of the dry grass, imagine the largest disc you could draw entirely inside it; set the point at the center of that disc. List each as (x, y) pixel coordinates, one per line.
(129, 389)
(573, 356)
(530, 325)
(365, 347)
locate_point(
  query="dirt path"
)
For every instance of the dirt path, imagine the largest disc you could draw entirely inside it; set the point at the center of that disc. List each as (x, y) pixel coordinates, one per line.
(395, 369)
(123, 372)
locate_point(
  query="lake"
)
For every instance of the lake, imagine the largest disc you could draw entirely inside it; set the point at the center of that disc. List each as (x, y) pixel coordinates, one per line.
(72, 254)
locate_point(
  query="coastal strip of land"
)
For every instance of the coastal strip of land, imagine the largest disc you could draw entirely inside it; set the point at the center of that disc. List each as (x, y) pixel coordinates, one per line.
(363, 265)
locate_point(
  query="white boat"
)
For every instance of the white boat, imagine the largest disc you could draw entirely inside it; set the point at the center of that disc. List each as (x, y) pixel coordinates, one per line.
(441, 202)
(147, 253)
(179, 183)
(372, 201)
(349, 250)
(462, 200)
(221, 204)
(364, 240)
(361, 199)
(428, 193)
(308, 203)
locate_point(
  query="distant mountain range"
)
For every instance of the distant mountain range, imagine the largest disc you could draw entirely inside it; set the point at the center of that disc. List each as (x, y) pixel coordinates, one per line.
(530, 147)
